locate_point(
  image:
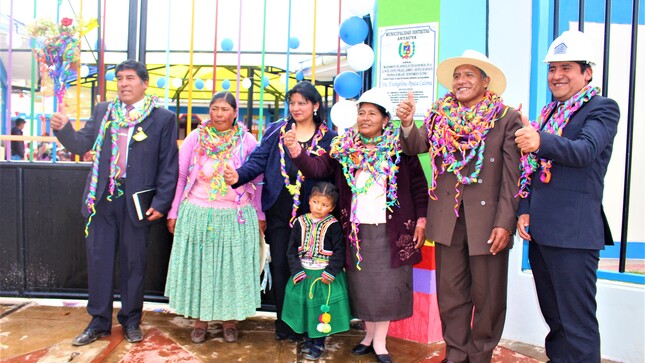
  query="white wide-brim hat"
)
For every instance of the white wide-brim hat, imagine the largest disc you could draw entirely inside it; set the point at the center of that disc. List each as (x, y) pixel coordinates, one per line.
(446, 69)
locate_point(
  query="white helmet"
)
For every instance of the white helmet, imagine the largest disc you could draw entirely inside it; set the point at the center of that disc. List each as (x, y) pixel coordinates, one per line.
(377, 96)
(571, 45)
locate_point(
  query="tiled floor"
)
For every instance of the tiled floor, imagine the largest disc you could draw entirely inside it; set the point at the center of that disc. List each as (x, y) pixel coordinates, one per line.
(41, 331)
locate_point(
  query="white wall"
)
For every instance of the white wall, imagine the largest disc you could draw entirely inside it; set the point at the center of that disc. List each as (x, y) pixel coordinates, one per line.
(621, 306)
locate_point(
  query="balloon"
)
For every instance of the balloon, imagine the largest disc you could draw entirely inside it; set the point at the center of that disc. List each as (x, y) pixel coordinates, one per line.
(300, 76)
(294, 43)
(226, 84)
(360, 57)
(161, 82)
(199, 84)
(209, 84)
(177, 82)
(347, 84)
(343, 114)
(227, 44)
(265, 82)
(360, 7)
(246, 83)
(283, 78)
(85, 71)
(109, 75)
(353, 30)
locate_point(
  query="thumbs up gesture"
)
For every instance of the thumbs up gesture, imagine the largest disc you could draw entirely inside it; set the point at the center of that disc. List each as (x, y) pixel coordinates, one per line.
(290, 140)
(405, 110)
(527, 138)
(230, 175)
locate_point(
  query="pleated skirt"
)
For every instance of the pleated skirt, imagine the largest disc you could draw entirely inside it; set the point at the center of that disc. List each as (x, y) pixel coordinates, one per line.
(378, 292)
(214, 271)
(303, 304)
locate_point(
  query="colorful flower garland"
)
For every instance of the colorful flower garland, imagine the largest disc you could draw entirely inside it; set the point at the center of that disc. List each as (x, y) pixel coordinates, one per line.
(294, 189)
(553, 125)
(382, 160)
(455, 130)
(114, 109)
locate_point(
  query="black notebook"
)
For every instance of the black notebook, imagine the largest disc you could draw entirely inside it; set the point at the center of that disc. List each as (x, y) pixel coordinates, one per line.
(142, 201)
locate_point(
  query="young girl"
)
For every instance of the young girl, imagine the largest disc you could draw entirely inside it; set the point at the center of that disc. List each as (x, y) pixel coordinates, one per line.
(316, 301)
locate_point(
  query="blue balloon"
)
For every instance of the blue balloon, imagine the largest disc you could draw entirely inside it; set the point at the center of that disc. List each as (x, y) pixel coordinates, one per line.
(199, 84)
(347, 84)
(161, 82)
(265, 82)
(109, 75)
(300, 76)
(227, 44)
(353, 30)
(294, 43)
(226, 84)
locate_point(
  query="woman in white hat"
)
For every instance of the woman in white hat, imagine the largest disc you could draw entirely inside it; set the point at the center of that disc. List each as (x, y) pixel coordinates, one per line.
(469, 134)
(382, 203)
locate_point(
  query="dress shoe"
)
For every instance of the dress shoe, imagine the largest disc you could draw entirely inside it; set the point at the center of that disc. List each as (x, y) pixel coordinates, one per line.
(383, 358)
(198, 335)
(89, 335)
(133, 333)
(362, 349)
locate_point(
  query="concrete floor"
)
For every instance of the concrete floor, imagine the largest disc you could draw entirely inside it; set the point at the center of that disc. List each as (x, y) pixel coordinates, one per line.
(42, 331)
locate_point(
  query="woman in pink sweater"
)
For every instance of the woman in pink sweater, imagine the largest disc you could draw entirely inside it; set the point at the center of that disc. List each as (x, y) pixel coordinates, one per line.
(214, 269)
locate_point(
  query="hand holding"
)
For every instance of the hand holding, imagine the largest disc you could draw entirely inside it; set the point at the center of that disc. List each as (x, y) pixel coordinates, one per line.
(230, 175)
(405, 110)
(58, 121)
(523, 227)
(153, 215)
(527, 138)
(498, 239)
(291, 142)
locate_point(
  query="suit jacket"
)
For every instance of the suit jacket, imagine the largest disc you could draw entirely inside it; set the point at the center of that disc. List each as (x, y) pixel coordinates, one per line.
(152, 162)
(567, 212)
(487, 204)
(401, 219)
(266, 159)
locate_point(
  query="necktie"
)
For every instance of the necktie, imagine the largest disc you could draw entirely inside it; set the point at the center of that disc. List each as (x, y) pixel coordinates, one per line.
(122, 144)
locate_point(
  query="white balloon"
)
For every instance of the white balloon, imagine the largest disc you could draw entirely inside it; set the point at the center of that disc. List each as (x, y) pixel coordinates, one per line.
(209, 84)
(246, 83)
(360, 7)
(283, 78)
(360, 57)
(344, 114)
(85, 70)
(177, 82)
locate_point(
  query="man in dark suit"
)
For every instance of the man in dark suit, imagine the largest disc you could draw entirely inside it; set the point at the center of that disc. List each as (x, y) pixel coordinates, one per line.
(136, 149)
(570, 145)
(472, 210)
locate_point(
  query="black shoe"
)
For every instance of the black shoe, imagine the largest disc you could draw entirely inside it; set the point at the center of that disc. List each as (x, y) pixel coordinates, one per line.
(89, 335)
(306, 348)
(133, 333)
(362, 349)
(315, 352)
(383, 358)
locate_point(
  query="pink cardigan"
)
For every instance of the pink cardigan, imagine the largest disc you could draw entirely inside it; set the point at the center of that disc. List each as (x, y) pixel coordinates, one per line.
(252, 190)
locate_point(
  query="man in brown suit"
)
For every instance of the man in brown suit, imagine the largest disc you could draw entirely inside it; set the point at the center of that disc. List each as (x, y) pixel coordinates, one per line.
(469, 134)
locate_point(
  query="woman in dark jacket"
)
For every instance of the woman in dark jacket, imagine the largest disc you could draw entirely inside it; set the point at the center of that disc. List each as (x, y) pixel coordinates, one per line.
(382, 200)
(284, 186)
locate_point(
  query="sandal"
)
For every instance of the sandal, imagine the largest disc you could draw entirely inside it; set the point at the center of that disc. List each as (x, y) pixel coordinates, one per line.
(198, 335)
(229, 331)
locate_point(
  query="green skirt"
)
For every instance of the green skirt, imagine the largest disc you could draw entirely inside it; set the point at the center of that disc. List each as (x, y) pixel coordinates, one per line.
(214, 268)
(302, 313)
